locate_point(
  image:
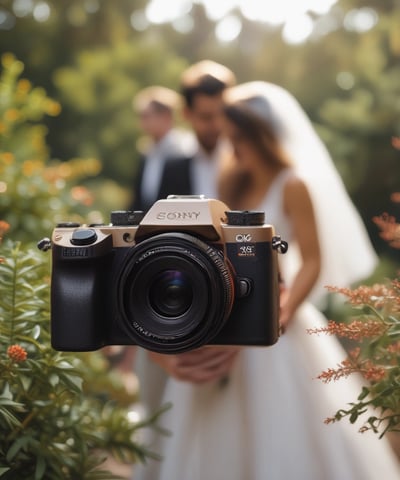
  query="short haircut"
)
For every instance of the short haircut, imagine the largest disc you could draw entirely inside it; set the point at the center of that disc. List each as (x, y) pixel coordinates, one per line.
(207, 78)
(159, 98)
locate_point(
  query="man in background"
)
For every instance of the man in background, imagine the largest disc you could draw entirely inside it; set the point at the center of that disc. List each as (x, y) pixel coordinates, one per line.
(202, 87)
(156, 108)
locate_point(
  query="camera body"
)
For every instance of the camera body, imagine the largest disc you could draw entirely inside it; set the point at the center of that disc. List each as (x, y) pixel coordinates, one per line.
(188, 273)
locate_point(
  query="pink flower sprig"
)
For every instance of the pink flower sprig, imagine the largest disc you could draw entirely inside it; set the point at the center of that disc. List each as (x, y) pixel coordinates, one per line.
(370, 371)
(356, 330)
(375, 295)
(389, 229)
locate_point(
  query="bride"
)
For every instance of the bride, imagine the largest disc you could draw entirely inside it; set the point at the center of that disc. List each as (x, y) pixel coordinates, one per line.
(258, 413)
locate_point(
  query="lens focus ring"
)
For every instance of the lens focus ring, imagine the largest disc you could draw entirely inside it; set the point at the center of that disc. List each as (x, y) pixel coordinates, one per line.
(175, 293)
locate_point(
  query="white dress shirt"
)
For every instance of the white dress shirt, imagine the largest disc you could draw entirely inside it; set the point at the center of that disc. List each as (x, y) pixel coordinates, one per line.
(205, 169)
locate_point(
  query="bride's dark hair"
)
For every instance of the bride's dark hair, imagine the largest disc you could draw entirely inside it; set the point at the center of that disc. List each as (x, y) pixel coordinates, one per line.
(235, 182)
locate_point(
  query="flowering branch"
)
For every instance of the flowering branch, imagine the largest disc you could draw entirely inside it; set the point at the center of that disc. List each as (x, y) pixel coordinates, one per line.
(376, 331)
(356, 330)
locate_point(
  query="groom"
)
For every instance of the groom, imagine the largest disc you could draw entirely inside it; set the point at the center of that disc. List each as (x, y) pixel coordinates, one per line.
(202, 87)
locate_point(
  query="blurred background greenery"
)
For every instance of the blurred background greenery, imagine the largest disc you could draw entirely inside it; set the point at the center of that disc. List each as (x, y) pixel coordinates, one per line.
(69, 70)
(340, 58)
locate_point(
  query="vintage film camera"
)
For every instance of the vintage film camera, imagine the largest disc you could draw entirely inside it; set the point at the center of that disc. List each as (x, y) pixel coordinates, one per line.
(188, 273)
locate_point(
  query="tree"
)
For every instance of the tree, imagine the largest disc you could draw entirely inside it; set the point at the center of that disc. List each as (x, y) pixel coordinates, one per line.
(98, 90)
(361, 120)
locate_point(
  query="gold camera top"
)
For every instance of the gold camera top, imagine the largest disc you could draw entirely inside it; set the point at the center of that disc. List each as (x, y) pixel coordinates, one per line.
(207, 218)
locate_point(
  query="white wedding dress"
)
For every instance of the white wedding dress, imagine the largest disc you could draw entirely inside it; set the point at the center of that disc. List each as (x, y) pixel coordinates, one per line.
(267, 421)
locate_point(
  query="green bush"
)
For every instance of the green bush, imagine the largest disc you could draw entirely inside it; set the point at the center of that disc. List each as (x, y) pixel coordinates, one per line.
(51, 428)
(60, 414)
(35, 193)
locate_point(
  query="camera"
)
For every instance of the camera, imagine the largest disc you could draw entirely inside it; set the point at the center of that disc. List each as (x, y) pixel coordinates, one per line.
(190, 272)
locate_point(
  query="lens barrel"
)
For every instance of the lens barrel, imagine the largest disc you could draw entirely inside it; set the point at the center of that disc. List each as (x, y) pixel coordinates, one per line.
(174, 293)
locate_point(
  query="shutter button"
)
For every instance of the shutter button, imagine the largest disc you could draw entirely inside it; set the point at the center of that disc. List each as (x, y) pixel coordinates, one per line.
(83, 237)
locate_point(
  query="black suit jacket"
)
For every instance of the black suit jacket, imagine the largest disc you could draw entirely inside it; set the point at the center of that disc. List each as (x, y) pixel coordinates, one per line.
(138, 202)
(176, 178)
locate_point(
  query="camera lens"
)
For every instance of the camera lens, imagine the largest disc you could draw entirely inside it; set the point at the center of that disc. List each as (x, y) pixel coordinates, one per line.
(171, 294)
(174, 293)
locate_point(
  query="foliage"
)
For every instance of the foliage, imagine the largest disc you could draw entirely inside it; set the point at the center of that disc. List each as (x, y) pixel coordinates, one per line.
(374, 334)
(97, 91)
(33, 193)
(363, 115)
(51, 427)
(60, 415)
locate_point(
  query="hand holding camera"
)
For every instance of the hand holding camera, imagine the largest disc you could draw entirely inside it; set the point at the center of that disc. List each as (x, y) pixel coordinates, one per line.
(209, 363)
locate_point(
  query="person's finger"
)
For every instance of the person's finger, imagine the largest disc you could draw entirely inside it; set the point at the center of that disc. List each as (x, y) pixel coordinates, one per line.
(205, 355)
(204, 365)
(213, 369)
(213, 360)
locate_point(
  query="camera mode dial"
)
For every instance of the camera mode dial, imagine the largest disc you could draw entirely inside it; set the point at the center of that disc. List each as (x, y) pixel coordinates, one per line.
(245, 217)
(85, 236)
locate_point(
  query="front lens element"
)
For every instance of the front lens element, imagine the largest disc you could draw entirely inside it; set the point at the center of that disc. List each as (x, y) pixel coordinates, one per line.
(171, 293)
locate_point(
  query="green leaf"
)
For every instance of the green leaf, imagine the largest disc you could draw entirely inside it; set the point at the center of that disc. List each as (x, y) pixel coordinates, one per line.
(6, 394)
(25, 381)
(354, 416)
(73, 381)
(364, 393)
(36, 332)
(16, 446)
(4, 470)
(54, 379)
(40, 468)
(9, 418)
(11, 403)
